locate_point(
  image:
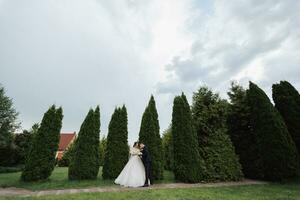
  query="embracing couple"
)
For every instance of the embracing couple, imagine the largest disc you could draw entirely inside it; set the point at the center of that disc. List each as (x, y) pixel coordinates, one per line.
(137, 171)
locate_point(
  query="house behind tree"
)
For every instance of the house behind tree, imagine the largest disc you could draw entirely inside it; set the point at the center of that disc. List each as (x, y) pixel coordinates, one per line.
(65, 140)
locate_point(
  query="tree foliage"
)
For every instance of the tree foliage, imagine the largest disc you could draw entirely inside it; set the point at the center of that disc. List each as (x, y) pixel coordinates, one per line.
(150, 136)
(102, 149)
(117, 152)
(40, 161)
(8, 124)
(287, 101)
(85, 161)
(168, 149)
(189, 166)
(209, 115)
(8, 117)
(279, 156)
(241, 134)
(23, 143)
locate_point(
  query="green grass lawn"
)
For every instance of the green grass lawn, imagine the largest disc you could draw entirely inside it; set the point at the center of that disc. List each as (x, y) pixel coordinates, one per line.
(59, 180)
(253, 192)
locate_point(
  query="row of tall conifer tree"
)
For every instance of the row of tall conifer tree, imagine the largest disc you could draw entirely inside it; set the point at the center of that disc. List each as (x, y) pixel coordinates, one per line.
(250, 130)
(207, 141)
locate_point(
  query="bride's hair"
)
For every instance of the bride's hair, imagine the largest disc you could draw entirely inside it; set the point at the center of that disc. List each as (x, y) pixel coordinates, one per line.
(136, 144)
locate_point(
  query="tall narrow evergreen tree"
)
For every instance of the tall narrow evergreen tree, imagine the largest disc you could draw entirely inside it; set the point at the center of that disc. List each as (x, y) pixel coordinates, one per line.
(189, 166)
(84, 163)
(280, 158)
(209, 115)
(96, 142)
(241, 134)
(40, 160)
(117, 152)
(287, 101)
(149, 135)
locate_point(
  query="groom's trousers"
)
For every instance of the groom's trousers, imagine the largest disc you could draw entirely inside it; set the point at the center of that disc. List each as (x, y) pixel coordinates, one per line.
(148, 174)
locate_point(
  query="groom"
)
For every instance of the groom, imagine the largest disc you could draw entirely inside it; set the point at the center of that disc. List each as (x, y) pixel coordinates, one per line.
(147, 163)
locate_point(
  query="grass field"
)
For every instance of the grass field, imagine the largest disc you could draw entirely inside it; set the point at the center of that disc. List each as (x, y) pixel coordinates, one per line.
(59, 180)
(255, 192)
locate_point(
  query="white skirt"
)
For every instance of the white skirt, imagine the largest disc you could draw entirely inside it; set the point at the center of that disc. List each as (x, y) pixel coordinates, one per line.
(133, 174)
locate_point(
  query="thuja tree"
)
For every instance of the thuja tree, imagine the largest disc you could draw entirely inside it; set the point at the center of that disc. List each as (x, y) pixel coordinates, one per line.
(40, 160)
(287, 101)
(189, 166)
(238, 122)
(150, 136)
(280, 158)
(209, 115)
(96, 141)
(84, 163)
(168, 150)
(116, 153)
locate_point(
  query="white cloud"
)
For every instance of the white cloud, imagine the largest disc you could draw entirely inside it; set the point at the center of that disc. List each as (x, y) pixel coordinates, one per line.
(82, 53)
(237, 40)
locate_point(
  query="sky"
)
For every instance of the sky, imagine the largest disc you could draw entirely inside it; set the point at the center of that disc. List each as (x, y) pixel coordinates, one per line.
(78, 54)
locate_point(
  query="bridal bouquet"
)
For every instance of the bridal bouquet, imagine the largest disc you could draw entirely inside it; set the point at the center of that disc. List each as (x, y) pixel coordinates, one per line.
(134, 151)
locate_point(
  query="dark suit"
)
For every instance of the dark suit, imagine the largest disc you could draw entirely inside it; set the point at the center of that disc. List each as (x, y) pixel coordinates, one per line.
(146, 158)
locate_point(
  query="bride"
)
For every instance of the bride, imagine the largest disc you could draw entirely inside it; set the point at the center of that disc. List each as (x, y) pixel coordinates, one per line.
(133, 174)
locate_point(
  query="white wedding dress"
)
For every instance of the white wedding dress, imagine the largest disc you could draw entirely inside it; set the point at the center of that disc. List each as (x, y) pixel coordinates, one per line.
(133, 174)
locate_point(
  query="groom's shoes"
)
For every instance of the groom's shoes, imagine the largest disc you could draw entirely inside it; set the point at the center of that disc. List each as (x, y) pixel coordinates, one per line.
(146, 185)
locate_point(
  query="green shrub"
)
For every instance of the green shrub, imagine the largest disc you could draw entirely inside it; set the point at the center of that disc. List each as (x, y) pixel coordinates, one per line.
(189, 166)
(150, 136)
(279, 156)
(84, 163)
(287, 101)
(117, 152)
(215, 147)
(22, 142)
(241, 134)
(40, 161)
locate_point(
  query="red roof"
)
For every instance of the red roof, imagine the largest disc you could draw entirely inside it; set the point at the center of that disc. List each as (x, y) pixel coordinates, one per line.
(65, 140)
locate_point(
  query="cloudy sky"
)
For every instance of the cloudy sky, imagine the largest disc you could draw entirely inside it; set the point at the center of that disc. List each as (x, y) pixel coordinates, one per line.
(79, 54)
